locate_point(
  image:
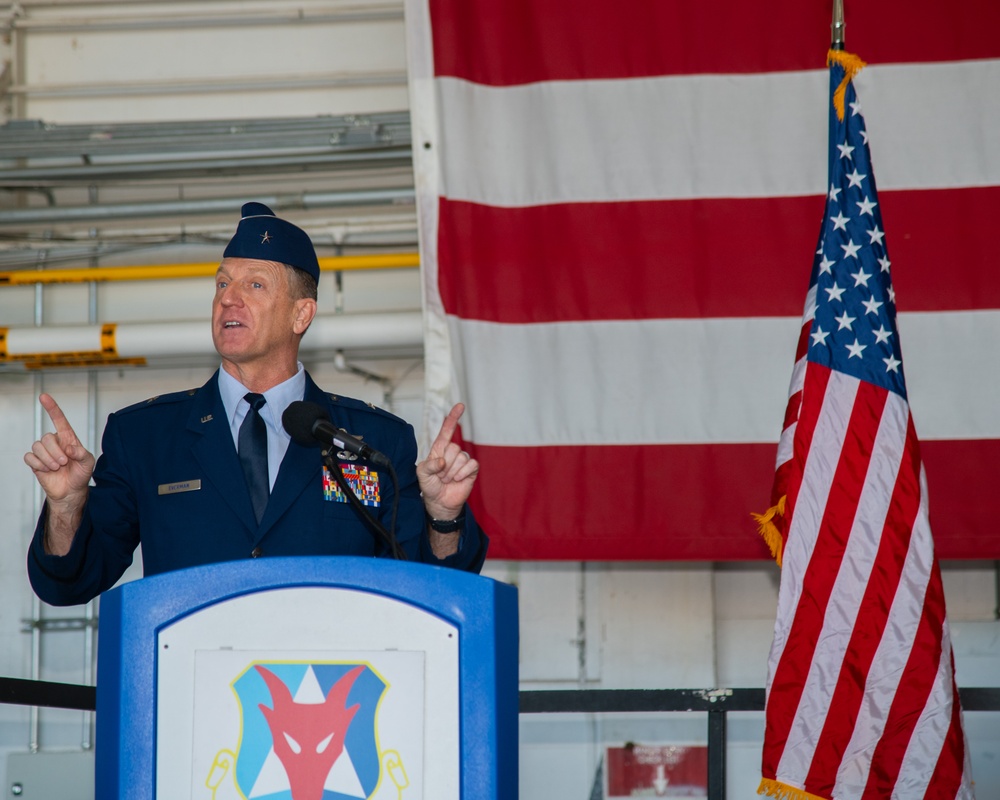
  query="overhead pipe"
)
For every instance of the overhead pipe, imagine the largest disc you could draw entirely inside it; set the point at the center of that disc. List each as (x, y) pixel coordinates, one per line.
(259, 83)
(204, 269)
(168, 208)
(386, 158)
(34, 138)
(134, 342)
(369, 12)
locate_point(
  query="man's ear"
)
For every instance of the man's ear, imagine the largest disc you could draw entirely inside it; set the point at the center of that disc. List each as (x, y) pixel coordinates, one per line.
(305, 312)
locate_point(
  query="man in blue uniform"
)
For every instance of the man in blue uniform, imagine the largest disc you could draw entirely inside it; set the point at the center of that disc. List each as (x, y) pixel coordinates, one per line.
(211, 475)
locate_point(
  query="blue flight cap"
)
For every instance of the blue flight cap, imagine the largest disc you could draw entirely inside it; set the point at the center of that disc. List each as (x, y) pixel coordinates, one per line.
(265, 237)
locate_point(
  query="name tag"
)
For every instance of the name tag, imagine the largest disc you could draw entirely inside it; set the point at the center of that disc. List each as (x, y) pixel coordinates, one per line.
(180, 486)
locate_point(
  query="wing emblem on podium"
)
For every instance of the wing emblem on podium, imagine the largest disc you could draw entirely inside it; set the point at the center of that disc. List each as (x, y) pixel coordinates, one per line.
(309, 731)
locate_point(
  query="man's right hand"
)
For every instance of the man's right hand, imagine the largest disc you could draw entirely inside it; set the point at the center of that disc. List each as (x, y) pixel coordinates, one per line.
(63, 468)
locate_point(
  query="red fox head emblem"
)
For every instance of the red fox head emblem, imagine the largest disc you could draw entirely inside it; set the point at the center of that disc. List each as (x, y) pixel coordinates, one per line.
(308, 737)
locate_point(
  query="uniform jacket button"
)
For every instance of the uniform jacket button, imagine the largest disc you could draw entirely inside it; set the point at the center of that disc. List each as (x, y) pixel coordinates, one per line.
(256, 553)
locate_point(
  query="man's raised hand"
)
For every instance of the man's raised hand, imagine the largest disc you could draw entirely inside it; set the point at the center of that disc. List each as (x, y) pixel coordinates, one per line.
(447, 474)
(63, 468)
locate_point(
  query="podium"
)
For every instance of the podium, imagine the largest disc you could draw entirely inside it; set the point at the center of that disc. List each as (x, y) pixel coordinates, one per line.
(308, 678)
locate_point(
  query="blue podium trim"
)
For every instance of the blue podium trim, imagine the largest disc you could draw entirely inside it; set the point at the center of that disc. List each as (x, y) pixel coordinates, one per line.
(483, 610)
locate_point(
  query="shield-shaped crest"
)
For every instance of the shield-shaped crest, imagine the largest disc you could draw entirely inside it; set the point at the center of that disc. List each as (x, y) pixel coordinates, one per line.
(308, 731)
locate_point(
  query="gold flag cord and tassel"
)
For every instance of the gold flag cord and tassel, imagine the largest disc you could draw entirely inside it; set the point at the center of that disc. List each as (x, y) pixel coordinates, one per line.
(783, 791)
(852, 66)
(769, 531)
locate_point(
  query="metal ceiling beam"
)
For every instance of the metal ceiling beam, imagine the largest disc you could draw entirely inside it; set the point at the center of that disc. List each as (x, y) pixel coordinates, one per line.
(56, 215)
(191, 17)
(34, 139)
(252, 83)
(197, 166)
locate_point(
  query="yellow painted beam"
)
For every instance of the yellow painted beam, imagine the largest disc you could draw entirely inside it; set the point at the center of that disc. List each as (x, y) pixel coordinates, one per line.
(150, 272)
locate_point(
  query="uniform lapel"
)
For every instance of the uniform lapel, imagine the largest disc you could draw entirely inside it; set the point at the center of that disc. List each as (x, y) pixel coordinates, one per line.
(215, 451)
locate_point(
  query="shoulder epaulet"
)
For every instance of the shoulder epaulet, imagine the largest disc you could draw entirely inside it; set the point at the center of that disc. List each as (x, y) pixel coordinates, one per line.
(361, 405)
(160, 399)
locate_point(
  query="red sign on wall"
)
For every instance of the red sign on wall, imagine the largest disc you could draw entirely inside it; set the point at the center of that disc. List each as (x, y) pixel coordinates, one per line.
(658, 770)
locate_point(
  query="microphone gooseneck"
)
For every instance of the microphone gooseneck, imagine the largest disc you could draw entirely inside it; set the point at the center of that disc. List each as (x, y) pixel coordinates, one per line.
(309, 425)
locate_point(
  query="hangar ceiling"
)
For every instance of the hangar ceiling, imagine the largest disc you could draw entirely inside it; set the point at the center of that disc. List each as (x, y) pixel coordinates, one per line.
(131, 132)
(74, 192)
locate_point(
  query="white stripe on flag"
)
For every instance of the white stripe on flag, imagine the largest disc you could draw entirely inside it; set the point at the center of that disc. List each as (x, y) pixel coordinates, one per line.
(754, 135)
(713, 380)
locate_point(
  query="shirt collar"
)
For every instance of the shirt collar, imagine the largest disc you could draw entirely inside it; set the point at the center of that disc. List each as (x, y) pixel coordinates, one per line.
(278, 397)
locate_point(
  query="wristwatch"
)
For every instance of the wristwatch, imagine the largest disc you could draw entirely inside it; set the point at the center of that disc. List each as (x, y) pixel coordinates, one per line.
(446, 525)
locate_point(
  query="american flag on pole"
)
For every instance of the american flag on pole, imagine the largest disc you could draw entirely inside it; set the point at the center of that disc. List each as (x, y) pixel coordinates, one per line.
(861, 693)
(614, 200)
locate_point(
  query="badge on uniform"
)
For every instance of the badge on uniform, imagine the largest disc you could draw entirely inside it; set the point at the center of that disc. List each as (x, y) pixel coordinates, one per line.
(179, 486)
(363, 482)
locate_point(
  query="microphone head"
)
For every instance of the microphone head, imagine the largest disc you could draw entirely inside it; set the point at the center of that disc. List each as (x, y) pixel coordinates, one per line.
(299, 420)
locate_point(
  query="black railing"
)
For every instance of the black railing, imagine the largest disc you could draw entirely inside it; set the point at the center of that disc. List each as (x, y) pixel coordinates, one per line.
(714, 702)
(20, 692)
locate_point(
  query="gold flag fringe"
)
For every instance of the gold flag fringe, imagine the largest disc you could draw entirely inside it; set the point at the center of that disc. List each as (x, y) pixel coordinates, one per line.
(783, 791)
(769, 531)
(852, 66)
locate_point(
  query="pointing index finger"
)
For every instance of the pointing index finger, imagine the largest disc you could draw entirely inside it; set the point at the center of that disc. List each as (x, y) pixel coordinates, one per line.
(448, 428)
(56, 415)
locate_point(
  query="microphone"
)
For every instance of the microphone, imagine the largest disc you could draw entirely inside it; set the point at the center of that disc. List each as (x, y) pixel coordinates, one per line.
(309, 425)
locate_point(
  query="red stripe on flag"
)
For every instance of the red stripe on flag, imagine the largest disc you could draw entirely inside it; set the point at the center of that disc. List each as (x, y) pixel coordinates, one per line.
(792, 409)
(695, 258)
(963, 527)
(524, 41)
(951, 763)
(802, 349)
(606, 503)
(919, 248)
(915, 686)
(702, 496)
(869, 624)
(839, 509)
(789, 478)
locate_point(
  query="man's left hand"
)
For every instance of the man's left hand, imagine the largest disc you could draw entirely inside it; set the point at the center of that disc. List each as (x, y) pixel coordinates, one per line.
(447, 474)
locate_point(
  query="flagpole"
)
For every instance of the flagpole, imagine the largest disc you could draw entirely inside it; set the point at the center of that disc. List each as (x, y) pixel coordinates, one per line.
(837, 28)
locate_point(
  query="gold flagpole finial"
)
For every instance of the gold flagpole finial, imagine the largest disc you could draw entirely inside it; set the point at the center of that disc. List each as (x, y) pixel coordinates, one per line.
(837, 28)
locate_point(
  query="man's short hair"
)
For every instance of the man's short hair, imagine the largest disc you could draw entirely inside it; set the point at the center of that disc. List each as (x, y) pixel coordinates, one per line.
(301, 285)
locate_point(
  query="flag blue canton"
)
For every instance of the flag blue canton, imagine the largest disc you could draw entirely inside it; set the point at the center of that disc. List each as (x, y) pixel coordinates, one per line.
(854, 316)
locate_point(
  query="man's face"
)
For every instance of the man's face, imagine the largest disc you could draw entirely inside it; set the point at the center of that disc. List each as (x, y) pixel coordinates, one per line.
(254, 318)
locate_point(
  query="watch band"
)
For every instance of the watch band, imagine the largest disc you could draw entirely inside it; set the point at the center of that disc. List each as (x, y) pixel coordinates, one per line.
(447, 525)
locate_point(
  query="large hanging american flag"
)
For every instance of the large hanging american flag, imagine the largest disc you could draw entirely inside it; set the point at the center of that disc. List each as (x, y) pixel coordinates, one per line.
(614, 201)
(861, 695)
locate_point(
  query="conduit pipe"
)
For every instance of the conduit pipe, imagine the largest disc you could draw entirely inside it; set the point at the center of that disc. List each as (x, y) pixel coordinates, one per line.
(203, 269)
(133, 342)
(297, 202)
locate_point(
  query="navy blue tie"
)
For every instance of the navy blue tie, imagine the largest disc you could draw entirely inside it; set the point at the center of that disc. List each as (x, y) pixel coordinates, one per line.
(253, 454)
